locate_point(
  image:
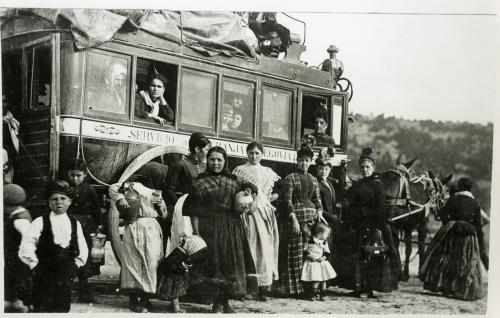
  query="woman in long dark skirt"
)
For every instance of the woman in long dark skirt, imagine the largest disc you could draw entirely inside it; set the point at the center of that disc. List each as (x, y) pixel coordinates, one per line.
(229, 261)
(368, 215)
(303, 209)
(452, 262)
(328, 200)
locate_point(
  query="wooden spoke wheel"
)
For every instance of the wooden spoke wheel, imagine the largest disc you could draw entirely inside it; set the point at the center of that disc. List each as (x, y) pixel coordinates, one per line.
(114, 219)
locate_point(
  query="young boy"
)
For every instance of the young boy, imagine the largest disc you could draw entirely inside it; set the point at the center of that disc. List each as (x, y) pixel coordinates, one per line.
(85, 208)
(54, 248)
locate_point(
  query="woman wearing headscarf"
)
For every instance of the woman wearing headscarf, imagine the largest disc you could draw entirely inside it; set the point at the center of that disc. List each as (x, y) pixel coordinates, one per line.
(261, 227)
(140, 203)
(150, 103)
(212, 200)
(452, 263)
(303, 209)
(375, 269)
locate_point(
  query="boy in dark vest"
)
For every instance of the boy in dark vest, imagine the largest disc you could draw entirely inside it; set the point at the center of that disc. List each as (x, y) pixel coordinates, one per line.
(54, 248)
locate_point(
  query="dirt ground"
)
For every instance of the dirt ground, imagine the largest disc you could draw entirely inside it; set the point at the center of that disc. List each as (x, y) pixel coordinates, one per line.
(409, 299)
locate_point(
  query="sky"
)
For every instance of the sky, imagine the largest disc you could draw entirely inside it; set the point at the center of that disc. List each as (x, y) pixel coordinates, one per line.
(426, 59)
(439, 67)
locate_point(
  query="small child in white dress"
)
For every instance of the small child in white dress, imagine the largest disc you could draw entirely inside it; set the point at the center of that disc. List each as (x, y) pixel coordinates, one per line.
(316, 270)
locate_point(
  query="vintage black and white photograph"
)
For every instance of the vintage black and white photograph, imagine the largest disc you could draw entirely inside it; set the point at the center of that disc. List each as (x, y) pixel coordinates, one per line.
(250, 160)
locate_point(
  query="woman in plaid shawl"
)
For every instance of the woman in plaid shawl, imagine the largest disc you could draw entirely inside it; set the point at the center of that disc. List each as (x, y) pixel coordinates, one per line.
(303, 209)
(212, 200)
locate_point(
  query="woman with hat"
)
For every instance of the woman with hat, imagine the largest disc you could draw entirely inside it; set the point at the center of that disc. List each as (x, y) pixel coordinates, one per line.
(54, 248)
(150, 103)
(452, 263)
(374, 269)
(328, 198)
(303, 209)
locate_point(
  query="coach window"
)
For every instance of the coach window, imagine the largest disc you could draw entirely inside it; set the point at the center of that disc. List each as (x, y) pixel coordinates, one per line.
(197, 100)
(151, 109)
(107, 84)
(276, 115)
(338, 120)
(236, 117)
(39, 75)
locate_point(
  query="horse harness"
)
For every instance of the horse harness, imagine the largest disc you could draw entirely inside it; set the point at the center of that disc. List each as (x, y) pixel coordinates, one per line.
(420, 207)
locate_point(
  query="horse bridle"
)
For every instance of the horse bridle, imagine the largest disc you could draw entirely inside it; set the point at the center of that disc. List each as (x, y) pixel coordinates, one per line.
(426, 207)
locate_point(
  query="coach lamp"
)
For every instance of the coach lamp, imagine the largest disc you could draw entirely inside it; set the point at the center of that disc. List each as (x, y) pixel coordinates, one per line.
(336, 68)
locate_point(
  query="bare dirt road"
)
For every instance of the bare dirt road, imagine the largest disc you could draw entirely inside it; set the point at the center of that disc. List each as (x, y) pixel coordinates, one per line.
(409, 299)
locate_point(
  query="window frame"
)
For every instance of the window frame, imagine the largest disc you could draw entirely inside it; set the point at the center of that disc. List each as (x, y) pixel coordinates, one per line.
(189, 127)
(100, 114)
(275, 141)
(235, 134)
(25, 47)
(330, 96)
(143, 123)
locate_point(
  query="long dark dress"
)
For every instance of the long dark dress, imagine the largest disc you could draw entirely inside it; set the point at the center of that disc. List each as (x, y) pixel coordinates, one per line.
(302, 198)
(452, 263)
(230, 267)
(367, 213)
(327, 193)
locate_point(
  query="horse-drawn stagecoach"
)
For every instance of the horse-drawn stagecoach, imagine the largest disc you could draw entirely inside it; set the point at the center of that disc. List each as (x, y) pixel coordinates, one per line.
(71, 76)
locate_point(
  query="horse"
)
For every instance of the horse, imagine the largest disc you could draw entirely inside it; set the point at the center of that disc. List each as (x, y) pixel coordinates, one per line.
(409, 202)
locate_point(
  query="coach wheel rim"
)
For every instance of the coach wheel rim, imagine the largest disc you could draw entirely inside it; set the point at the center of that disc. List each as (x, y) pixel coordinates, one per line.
(113, 218)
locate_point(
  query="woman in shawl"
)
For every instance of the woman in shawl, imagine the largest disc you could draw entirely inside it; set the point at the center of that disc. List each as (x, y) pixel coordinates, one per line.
(303, 209)
(452, 263)
(261, 227)
(150, 103)
(212, 200)
(142, 241)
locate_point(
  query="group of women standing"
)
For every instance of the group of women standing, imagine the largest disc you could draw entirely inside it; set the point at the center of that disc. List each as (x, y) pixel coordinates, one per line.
(265, 249)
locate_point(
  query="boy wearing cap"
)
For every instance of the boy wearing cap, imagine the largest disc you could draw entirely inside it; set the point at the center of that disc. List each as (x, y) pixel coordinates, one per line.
(54, 248)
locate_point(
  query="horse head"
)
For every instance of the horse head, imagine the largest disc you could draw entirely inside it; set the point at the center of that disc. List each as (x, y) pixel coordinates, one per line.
(396, 182)
(441, 193)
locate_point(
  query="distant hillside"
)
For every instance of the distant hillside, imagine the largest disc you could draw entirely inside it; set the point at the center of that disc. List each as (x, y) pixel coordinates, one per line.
(463, 149)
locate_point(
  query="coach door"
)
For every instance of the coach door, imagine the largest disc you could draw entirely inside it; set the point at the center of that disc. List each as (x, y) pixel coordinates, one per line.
(31, 93)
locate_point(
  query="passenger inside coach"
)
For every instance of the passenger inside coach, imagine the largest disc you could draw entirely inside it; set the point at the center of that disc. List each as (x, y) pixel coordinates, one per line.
(155, 87)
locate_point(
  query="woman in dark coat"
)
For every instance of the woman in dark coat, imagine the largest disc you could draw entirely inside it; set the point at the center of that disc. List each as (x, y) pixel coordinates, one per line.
(328, 200)
(452, 263)
(368, 215)
(303, 209)
(229, 261)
